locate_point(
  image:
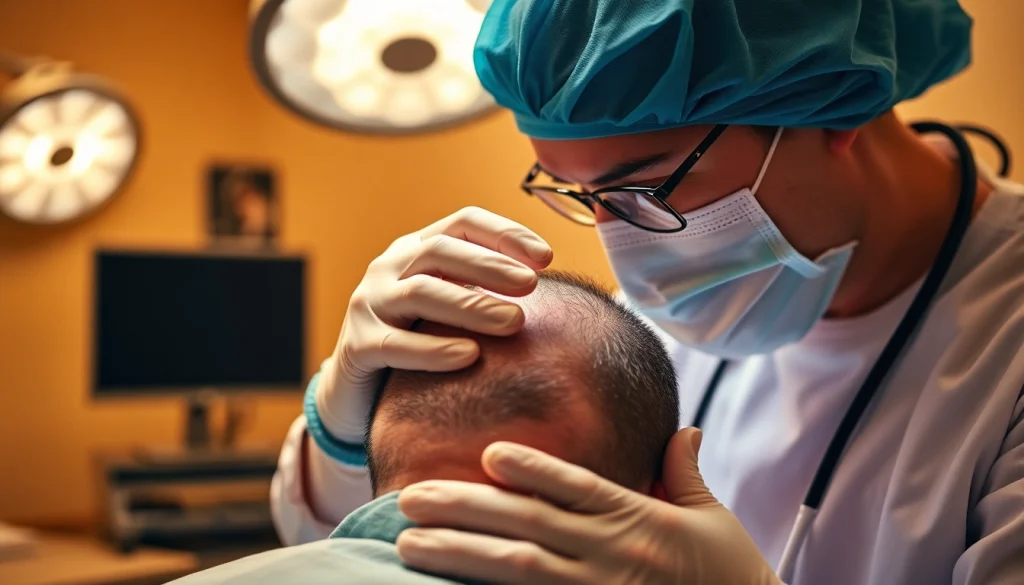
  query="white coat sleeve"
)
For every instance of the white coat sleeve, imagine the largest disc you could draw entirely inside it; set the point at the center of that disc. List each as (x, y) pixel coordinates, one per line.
(334, 489)
(995, 553)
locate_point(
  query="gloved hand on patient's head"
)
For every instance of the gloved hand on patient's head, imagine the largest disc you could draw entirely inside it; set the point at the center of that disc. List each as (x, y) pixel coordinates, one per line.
(585, 380)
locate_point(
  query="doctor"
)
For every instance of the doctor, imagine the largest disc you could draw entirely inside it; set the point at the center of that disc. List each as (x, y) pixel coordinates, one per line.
(843, 294)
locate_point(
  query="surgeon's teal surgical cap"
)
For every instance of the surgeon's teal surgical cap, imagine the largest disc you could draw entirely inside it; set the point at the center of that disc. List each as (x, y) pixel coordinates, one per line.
(587, 68)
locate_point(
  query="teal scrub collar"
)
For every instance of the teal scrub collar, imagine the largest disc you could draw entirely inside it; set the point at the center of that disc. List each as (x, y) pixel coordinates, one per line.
(378, 520)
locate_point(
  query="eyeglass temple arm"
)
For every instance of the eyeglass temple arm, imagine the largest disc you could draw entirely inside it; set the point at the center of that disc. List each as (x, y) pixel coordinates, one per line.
(670, 185)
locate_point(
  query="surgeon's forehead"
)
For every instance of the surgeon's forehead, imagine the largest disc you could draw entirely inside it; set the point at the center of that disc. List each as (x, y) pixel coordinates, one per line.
(582, 160)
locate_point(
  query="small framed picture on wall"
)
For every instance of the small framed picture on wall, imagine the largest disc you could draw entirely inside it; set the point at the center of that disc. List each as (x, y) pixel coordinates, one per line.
(242, 204)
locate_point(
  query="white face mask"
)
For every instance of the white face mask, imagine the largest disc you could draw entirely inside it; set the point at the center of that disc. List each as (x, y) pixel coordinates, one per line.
(729, 284)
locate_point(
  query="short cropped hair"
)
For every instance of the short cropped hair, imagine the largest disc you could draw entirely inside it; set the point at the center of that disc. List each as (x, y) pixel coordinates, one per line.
(606, 350)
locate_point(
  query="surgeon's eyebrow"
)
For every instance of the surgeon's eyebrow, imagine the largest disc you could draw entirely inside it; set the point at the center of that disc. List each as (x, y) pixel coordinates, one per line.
(626, 169)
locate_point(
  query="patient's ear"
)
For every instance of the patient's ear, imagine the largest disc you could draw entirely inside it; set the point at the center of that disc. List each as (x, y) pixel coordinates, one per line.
(658, 491)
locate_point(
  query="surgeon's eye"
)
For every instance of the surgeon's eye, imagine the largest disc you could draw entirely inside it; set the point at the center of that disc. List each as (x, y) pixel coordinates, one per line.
(559, 180)
(544, 178)
(621, 203)
(640, 208)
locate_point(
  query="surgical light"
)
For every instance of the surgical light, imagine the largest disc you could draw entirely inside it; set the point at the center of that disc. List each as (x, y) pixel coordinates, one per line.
(378, 66)
(68, 142)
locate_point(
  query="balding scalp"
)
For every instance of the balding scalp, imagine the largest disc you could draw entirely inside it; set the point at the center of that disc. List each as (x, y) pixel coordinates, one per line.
(578, 342)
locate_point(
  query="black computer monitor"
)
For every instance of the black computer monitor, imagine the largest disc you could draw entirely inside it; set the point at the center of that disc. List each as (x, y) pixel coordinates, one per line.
(183, 323)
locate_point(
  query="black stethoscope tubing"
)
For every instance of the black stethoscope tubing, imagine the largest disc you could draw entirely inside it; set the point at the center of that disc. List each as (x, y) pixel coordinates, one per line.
(1006, 162)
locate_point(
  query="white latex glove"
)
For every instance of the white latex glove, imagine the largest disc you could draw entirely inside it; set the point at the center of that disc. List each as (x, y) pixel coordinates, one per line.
(580, 528)
(420, 276)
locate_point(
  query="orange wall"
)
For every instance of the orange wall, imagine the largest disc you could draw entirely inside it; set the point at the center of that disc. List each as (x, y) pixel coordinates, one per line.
(991, 91)
(345, 197)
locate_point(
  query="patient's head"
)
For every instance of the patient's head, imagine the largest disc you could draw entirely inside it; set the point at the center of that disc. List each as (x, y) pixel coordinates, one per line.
(585, 380)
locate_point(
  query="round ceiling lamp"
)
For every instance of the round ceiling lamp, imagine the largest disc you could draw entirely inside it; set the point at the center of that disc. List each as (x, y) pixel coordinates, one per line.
(68, 142)
(378, 66)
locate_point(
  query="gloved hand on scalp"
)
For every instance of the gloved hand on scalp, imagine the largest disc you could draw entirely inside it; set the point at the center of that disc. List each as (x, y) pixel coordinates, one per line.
(420, 276)
(579, 528)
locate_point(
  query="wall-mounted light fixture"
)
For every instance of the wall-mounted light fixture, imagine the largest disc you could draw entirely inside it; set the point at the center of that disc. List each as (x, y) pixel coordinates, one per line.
(383, 66)
(68, 141)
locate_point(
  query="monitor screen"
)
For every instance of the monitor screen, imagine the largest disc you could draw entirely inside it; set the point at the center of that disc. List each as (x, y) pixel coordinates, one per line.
(177, 323)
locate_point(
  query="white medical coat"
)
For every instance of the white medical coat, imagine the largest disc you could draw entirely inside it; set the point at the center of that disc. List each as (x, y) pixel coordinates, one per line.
(931, 489)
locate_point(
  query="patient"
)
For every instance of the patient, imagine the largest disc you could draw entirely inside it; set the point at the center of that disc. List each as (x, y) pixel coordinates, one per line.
(585, 380)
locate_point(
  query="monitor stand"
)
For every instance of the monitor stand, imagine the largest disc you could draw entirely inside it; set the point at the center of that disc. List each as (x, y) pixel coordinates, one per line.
(199, 445)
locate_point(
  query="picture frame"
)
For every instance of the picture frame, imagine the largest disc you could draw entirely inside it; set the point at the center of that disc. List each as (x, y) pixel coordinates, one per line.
(242, 204)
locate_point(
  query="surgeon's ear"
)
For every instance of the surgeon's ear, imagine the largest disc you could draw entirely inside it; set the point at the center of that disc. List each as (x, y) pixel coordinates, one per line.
(840, 141)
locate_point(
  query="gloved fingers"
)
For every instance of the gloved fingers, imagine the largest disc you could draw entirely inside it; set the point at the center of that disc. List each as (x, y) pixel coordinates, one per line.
(681, 478)
(408, 350)
(495, 232)
(485, 558)
(490, 510)
(439, 301)
(568, 486)
(467, 263)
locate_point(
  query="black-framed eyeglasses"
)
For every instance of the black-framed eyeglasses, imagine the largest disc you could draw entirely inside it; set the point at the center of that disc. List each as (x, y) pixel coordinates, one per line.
(644, 207)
